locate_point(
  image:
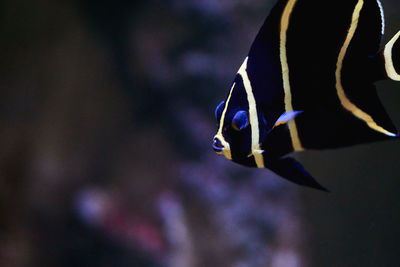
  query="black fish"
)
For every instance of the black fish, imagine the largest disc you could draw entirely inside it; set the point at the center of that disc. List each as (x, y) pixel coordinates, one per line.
(308, 83)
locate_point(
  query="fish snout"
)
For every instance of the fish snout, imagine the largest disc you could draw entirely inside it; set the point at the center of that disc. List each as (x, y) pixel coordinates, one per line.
(217, 145)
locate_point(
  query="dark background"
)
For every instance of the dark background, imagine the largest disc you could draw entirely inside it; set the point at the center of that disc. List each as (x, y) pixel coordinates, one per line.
(106, 120)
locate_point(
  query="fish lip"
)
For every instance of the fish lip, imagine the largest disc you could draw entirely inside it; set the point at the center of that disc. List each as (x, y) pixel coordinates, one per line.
(221, 146)
(217, 145)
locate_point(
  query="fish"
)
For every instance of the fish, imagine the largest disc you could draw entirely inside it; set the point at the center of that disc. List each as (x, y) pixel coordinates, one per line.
(307, 83)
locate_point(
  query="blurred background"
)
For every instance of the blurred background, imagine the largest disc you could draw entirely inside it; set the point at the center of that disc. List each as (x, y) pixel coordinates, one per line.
(106, 121)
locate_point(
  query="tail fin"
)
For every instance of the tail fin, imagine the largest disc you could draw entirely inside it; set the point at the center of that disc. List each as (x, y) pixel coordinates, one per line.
(391, 55)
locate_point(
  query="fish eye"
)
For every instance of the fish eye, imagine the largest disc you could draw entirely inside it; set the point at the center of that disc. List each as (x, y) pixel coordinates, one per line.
(218, 110)
(240, 120)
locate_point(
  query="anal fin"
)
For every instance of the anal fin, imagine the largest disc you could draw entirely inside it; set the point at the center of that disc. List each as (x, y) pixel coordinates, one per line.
(292, 170)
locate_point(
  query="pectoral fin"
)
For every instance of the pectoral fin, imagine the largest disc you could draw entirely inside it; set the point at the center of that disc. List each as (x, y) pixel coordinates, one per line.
(291, 170)
(286, 117)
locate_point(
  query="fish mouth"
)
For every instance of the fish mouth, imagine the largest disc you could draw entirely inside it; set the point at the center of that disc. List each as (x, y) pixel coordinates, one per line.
(217, 145)
(221, 147)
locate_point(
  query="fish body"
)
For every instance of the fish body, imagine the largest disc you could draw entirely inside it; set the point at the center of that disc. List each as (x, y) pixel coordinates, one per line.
(308, 83)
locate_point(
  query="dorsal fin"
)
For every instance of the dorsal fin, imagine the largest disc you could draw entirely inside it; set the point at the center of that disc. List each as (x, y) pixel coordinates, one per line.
(354, 84)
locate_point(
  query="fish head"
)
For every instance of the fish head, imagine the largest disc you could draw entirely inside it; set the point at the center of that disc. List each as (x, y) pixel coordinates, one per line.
(234, 139)
(235, 130)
